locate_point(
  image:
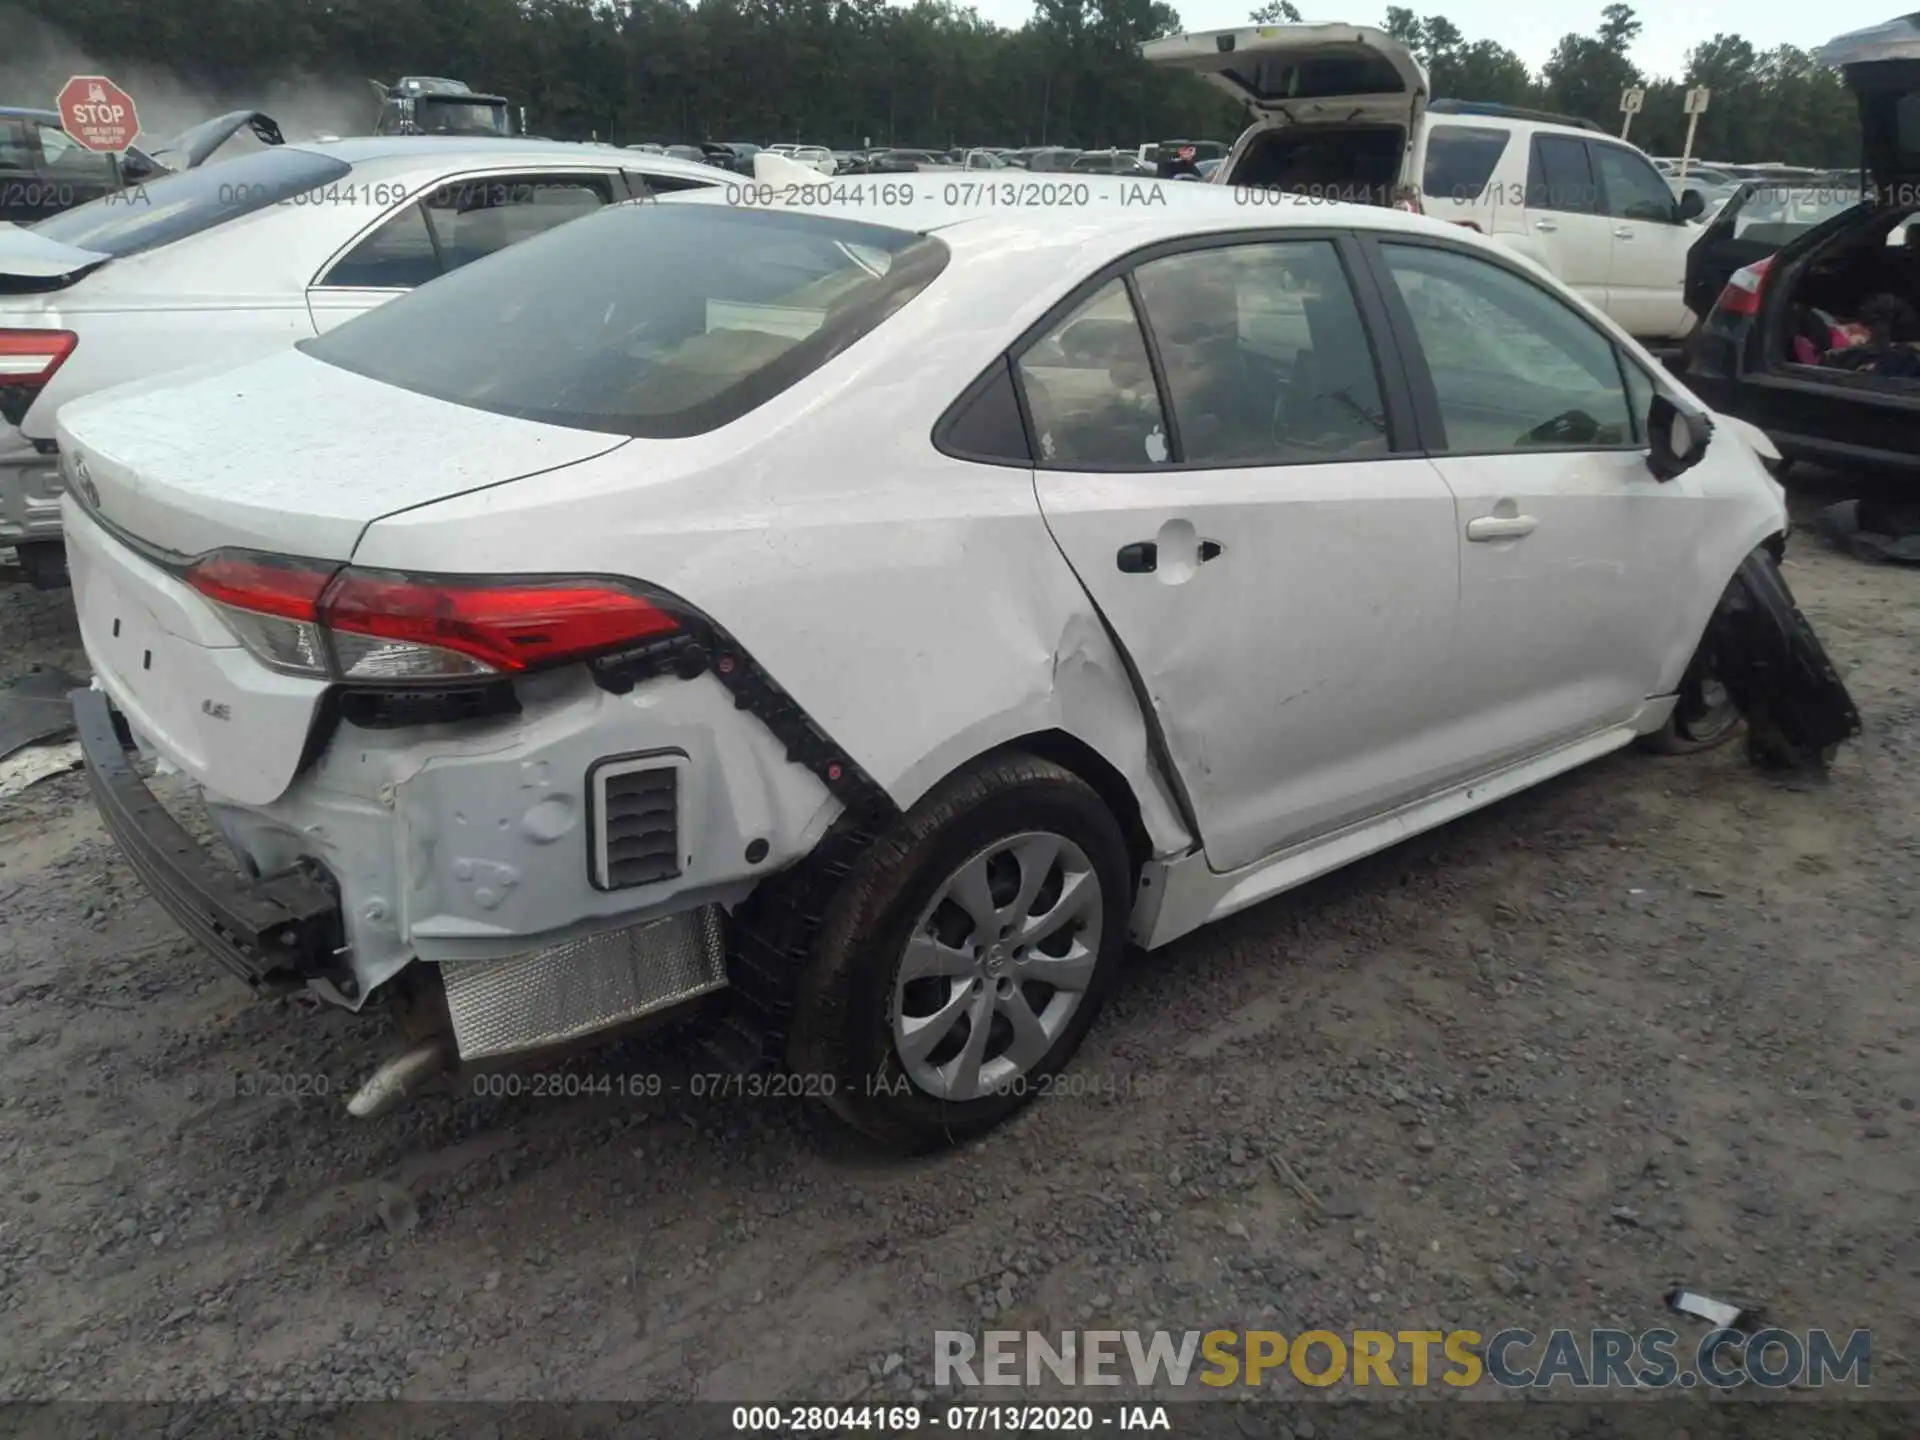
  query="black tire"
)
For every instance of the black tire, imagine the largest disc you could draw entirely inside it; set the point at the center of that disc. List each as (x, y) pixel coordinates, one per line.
(1696, 724)
(843, 1017)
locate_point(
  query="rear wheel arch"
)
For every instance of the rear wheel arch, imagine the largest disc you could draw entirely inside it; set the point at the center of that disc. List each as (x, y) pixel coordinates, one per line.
(1072, 753)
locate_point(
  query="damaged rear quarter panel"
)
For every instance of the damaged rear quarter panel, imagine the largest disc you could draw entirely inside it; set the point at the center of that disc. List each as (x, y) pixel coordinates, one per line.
(913, 604)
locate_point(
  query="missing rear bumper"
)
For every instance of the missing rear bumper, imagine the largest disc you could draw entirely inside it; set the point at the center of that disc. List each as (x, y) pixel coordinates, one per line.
(275, 933)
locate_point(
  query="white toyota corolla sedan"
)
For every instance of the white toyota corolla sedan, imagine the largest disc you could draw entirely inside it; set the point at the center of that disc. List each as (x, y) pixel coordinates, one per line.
(865, 620)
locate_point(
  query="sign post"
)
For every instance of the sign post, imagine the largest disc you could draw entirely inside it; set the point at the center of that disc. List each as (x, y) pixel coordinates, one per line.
(1631, 99)
(97, 113)
(1696, 107)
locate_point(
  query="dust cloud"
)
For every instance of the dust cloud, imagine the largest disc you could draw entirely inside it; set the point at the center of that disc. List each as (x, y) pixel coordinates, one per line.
(38, 59)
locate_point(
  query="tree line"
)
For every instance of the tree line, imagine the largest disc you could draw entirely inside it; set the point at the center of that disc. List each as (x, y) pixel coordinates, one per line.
(933, 73)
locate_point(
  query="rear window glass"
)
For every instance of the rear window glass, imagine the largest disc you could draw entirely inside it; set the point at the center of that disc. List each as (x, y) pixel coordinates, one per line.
(159, 212)
(1460, 161)
(650, 319)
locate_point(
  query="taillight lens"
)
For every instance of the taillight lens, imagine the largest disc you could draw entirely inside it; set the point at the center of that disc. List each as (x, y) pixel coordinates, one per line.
(387, 625)
(272, 604)
(1744, 287)
(29, 357)
(28, 360)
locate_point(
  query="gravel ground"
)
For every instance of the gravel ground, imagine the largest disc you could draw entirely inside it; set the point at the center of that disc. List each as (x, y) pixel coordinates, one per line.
(1648, 1024)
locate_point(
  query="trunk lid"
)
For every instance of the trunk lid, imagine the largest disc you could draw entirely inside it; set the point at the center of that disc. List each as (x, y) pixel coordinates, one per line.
(192, 147)
(1304, 73)
(310, 454)
(1881, 65)
(30, 262)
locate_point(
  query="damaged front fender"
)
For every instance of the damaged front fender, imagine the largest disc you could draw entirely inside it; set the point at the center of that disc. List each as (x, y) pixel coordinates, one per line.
(1766, 654)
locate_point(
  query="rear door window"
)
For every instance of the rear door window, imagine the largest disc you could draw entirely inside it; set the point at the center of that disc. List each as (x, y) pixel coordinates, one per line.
(173, 207)
(397, 256)
(473, 218)
(1460, 161)
(1559, 176)
(1265, 357)
(576, 327)
(1090, 390)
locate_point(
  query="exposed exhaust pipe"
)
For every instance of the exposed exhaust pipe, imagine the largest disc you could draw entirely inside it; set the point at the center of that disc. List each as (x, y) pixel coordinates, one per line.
(401, 1076)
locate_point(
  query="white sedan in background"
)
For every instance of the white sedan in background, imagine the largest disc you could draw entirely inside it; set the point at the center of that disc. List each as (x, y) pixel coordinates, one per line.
(882, 623)
(246, 256)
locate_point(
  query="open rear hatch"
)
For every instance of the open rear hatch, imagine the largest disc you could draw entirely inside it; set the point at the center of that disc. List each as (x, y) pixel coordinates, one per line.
(1881, 65)
(1305, 73)
(1343, 100)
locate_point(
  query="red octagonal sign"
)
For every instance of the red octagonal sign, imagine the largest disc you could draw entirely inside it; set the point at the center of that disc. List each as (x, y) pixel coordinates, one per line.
(97, 113)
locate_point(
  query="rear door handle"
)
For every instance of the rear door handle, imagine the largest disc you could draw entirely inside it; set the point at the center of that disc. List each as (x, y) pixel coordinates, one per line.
(1500, 527)
(1139, 558)
(1623, 233)
(1546, 225)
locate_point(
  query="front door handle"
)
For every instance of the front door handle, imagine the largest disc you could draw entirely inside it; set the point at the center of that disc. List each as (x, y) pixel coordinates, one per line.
(1623, 233)
(1139, 558)
(1500, 527)
(1546, 225)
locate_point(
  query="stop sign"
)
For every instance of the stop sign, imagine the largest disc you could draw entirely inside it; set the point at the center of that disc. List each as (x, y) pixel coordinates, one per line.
(97, 113)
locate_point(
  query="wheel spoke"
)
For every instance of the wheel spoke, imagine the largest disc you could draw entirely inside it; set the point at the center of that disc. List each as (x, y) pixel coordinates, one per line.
(962, 1073)
(1030, 1038)
(927, 958)
(1071, 972)
(1075, 896)
(970, 891)
(1036, 856)
(918, 1037)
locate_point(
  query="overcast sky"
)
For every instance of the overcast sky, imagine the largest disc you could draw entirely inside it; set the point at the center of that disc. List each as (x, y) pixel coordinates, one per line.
(1670, 27)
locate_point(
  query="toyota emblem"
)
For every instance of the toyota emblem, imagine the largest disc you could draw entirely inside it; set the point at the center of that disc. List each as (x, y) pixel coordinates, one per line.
(83, 478)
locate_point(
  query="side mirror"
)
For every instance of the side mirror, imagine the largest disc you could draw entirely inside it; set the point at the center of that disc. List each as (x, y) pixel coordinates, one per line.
(1676, 439)
(135, 167)
(1692, 206)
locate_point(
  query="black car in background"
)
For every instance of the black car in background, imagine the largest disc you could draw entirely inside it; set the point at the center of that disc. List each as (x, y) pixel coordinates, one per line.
(44, 170)
(1816, 338)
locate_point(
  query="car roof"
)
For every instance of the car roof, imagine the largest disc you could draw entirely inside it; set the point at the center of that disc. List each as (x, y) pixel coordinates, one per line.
(1119, 213)
(485, 150)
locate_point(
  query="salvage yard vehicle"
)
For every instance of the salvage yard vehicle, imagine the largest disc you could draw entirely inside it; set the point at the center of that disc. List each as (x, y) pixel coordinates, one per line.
(875, 629)
(245, 258)
(1816, 336)
(429, 105)
(1342, 113)
(44, 170)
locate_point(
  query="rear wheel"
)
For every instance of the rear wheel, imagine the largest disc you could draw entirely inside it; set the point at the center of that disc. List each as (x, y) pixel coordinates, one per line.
(961, 965)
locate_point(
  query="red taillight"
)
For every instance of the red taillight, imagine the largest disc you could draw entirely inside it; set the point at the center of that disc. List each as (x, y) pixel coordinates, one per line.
(264, 584)
(29, 357)
(1744, 287)
(506, 626)
(319, 619)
